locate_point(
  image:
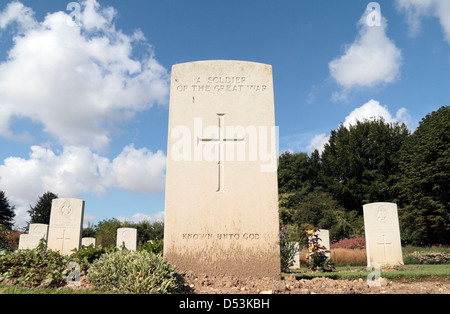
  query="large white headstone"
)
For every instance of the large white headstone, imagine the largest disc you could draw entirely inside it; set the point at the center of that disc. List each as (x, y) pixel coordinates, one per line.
(221, 211)
(127, 236)
(66, 222)
(36, 232)
(382, 232)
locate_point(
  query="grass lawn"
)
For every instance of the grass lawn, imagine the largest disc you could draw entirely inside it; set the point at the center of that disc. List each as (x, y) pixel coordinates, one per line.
(13, 289)
(407, 272)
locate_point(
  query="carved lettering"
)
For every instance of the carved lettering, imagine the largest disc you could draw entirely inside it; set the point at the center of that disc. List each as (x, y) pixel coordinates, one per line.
(220, 236)
(221, 84)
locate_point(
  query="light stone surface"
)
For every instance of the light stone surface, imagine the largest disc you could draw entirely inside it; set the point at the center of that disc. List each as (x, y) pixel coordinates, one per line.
(324, 236)
(66, 222)
(88, 241)
(127, 236)
(382, 232)
(221, 211)
(36, 232)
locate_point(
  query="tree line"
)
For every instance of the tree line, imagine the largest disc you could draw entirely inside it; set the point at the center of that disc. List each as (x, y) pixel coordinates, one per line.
(370, 161)
(104, 231)
(373, 161)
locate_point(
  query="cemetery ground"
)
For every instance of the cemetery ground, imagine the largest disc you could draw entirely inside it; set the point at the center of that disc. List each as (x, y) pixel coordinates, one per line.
(402, 279)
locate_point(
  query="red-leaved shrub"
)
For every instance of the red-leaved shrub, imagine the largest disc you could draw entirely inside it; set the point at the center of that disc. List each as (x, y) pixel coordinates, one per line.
(358, 242)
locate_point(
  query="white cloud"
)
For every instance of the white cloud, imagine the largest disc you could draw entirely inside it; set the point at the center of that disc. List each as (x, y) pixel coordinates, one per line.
(318, 142)
(373, 110)
(372, 59)
(78, 170)
(139, 217)
(139, 170)
(77, 82)
(18, 13)
(417, 9)
(370, 110)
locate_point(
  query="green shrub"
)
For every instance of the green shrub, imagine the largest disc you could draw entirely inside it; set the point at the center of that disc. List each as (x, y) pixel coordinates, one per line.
(154, 246)
(288, 247)
(6, 242)
(135, 272)
(430, 258)
(88, 254)
(38, 267)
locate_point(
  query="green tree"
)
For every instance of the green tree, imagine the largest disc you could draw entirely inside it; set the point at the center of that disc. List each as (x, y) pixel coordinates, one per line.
(106, 232)
(89, 231)
(6, 211)
(298, 172)
(425, 181)
(40, 213)
(360, 163)
(322, 211)
(292, 173)
(149, 231)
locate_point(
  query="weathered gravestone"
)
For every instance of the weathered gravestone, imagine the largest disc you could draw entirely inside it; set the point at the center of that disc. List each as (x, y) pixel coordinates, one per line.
(88, 241)
(127, 236)
(221, 211)
(66, 222)
(36, 232)
(382, 232)
(324, 236)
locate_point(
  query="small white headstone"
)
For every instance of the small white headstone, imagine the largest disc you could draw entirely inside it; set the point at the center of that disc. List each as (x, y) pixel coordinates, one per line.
(88, 241)
(324, 236)
(383, 244)
(66, 221)
(127, 236)
(36, 232)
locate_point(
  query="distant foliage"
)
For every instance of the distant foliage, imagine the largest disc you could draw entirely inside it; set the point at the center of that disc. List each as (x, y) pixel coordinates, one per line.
(40, 212)
(358, 242)
(135, 272)
(106, 231)
(7, 213)
(424, 186)
(6, 241)
(373, 161)
(430, 258)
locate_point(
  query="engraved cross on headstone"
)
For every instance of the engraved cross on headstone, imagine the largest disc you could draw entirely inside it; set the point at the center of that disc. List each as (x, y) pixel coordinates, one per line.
(62, 240)
(221, 141)
(384, 242)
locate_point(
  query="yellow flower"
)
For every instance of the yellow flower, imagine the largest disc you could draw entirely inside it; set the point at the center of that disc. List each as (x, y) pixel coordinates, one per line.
(307, 256)
(310, 232)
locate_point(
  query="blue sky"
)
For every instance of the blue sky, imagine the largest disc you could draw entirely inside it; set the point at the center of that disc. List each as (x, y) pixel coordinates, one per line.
(84, 107)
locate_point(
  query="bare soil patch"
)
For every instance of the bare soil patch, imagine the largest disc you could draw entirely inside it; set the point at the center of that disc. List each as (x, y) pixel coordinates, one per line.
(203, 284)
(320, 285)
